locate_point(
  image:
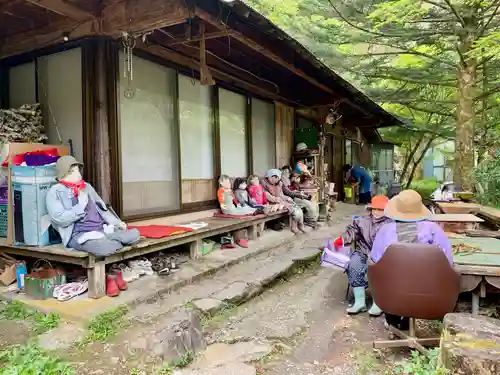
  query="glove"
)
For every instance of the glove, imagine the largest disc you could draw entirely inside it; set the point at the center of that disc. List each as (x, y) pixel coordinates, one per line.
(338, 243)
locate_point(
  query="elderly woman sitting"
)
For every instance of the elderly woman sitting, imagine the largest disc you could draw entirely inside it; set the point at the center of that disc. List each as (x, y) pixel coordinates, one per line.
(410, 225)
(273, 187)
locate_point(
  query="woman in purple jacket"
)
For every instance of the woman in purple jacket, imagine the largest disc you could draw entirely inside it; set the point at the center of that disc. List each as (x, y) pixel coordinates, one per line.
(410, 225)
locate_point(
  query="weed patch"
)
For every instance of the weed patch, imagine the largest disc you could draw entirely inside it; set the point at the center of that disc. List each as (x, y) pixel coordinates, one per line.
(176, 364)
(106, 325)
(41, 322)
(211, 321)
(29, 360)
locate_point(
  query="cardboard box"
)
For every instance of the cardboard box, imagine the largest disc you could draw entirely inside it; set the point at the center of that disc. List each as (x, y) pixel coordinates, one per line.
(21, 148)
(7, 269)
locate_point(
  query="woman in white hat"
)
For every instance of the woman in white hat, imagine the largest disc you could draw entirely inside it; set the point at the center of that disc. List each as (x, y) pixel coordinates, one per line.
(410, 225)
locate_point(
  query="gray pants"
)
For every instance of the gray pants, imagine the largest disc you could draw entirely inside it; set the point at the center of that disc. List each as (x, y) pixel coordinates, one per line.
(107, 245)
(311, 209)
(239, 211)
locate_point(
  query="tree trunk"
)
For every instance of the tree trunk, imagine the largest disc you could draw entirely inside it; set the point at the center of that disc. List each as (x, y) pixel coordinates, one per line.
(418, 161)
(464, 138)
(409, 158)
(470, 345)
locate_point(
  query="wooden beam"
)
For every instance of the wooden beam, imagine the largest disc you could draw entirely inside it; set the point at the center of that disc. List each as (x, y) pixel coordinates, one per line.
(64, 9)
(214, 35)
(43, 37)
(194, 64)
(263, 51)
(138, 16)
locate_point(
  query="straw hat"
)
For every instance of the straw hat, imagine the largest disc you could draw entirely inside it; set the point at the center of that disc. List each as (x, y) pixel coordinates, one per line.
(407, 206)
(379, 202)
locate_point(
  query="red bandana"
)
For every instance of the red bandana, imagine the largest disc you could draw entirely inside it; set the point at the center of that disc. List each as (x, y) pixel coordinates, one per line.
(75, 186)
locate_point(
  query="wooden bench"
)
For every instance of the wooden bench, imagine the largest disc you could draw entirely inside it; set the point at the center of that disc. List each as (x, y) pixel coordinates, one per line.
(96, 266)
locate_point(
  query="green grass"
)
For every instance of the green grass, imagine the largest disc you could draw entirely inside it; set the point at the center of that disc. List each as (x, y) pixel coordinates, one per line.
(106, 325)
(182, 362)
(31, 360)
(211, 321)
(425, 187)
(41, 322)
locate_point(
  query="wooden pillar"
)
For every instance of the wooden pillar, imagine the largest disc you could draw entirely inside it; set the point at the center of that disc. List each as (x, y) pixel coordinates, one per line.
(100, 115)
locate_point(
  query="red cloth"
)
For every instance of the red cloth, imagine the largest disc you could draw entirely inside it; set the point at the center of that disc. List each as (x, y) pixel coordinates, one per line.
(19, 158)
(160, 231)
(338, 243)
(256, 192)
(75, 186)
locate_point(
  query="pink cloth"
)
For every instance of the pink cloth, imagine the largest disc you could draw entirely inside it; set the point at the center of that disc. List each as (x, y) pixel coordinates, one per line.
(256, 192)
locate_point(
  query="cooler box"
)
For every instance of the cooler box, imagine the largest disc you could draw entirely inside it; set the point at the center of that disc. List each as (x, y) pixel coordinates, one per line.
(32, 225)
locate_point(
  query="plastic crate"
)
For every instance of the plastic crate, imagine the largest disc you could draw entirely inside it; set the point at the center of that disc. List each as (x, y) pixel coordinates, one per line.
(4, 211)
(32, 224)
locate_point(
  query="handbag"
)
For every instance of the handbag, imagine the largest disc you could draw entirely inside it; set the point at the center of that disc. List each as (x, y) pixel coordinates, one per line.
(40, 282)
(333, 258)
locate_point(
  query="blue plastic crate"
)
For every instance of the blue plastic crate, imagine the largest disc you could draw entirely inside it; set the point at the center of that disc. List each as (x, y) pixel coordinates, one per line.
(32, 224)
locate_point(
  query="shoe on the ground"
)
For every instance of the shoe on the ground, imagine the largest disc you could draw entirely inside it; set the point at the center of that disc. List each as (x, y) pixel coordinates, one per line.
(112, 289)
(146, 266)
(136, 266)
(128, 273)
(359, 304)
(120, 282)
(375, 310)
(242, 243)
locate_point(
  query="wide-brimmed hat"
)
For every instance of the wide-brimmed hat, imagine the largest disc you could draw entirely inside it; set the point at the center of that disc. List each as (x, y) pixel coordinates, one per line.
(407, 206)
(64, 164)
(379, 202)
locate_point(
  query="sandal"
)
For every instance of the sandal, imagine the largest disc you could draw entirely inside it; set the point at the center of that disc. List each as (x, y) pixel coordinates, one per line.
(164, 272)
(172, 265)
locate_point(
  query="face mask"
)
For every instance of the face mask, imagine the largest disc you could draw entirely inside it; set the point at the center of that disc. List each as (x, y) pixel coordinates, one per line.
(74, 175)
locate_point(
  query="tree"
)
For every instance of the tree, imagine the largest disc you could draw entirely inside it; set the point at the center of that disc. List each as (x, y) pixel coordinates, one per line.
(427, 56)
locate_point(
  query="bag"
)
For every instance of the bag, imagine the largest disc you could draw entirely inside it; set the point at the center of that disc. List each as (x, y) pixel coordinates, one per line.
(333, 258)
(40, 282)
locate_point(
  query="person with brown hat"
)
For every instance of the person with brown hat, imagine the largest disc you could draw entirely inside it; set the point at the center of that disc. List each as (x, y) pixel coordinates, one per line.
(410, 225)
(362, 232)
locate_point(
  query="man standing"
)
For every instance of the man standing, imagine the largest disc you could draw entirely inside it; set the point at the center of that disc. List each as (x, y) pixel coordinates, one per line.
(363, 180)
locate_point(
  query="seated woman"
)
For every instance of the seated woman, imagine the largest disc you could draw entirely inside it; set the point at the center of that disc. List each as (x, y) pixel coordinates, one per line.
(411, 225)
(362, 232)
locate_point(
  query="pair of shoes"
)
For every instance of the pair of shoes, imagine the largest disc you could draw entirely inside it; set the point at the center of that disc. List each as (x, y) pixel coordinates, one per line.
(128, 273)
(141, 267)
(115, 283)
(164, 265)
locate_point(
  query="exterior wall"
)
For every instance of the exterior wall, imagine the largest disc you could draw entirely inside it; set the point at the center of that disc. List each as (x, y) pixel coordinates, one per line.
(285, 122)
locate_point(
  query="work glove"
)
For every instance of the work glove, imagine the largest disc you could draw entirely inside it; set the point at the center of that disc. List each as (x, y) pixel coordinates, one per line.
(338, 243)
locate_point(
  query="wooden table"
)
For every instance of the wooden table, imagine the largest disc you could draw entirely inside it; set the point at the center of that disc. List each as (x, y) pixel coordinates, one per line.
(458, 207)
(456, 222)
(478, 269)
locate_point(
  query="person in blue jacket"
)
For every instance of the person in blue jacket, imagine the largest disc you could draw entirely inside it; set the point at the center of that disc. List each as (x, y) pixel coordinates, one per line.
(363, 180)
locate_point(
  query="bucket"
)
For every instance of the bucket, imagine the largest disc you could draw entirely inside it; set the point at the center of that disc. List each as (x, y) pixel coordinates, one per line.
(348, 193)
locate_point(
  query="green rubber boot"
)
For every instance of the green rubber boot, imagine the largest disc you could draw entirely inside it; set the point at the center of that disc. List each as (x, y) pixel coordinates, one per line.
(359, 301)
(375, 310)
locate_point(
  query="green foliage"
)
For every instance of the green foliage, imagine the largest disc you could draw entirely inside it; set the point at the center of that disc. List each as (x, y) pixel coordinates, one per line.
(420, 364)
(17, 310)
(488, 176)
(182, 362)
(31, 360)
(106, 325)
(425, 187)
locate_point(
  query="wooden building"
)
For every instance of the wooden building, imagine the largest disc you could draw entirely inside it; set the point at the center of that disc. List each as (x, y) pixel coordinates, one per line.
(120, 81)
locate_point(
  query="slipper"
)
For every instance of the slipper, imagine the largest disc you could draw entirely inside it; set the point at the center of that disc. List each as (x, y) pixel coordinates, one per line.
(164, 272)
(242, 243)
(67, 291)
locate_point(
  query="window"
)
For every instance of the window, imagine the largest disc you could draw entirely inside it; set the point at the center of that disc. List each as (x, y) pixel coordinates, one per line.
(263, 137)
(233, 142)
(22, 85)
(197, 141)
(60, 95)
(149, 156)
(352, 151)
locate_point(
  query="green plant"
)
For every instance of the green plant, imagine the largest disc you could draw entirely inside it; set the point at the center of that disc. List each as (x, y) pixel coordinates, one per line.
(420, 364)
(487, 174)
(31, 360)
(425, 187)
(16, 310)
(182, 362)
(106, 325)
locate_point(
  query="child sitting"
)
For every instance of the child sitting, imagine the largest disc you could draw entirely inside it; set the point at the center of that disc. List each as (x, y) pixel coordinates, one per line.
(243, 198)
(228, 203)
(257, 194)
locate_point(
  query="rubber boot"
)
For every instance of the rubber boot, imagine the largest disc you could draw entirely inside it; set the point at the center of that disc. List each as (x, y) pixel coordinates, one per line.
(375, 310)
(359, 301)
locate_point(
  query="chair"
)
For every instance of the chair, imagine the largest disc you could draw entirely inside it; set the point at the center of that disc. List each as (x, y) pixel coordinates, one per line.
(414, 281)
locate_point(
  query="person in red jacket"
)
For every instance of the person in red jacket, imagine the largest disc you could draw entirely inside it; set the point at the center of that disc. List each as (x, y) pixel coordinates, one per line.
(361, 232)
